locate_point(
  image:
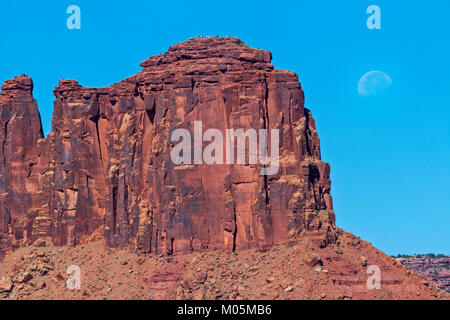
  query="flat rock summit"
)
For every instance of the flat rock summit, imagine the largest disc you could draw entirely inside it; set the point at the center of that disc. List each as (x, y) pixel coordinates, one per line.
(104, 179)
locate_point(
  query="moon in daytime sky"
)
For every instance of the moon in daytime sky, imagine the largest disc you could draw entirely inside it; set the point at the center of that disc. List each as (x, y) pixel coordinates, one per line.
(373, 82)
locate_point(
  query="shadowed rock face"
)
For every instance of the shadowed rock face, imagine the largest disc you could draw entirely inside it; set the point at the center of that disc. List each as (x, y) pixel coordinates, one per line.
(106, 170)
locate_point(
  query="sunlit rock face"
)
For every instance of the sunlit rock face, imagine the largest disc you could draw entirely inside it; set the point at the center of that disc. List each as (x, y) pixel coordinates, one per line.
(20, 190)
(105, 170)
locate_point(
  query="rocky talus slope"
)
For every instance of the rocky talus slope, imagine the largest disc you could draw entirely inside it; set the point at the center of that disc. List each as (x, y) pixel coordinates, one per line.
(301, 270)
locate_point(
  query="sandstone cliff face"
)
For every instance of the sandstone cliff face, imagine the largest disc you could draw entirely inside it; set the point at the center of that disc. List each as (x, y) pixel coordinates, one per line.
(105, 170)
(20, 131)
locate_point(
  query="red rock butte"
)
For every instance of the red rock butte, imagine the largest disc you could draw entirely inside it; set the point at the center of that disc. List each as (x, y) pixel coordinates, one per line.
(105, 170)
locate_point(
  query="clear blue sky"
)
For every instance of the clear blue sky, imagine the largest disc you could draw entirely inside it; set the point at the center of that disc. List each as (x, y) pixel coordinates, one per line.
(389, 154)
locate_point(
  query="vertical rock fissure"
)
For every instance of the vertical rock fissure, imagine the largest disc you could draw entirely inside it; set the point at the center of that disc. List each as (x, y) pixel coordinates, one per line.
(266, 126)
(234, 219)
(4, 143)
(114, 209)
(96, 120)
(307, 132)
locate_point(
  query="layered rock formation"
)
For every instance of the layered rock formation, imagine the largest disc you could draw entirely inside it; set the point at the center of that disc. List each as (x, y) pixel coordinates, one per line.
(105, 170)
(435, 269)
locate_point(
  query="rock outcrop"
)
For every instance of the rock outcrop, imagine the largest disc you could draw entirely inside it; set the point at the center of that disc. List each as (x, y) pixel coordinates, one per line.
(106, 171)
(20, 192)
(434, 269)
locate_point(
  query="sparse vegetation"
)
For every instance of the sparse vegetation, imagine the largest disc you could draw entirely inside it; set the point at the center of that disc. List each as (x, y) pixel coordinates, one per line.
(426, 256)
